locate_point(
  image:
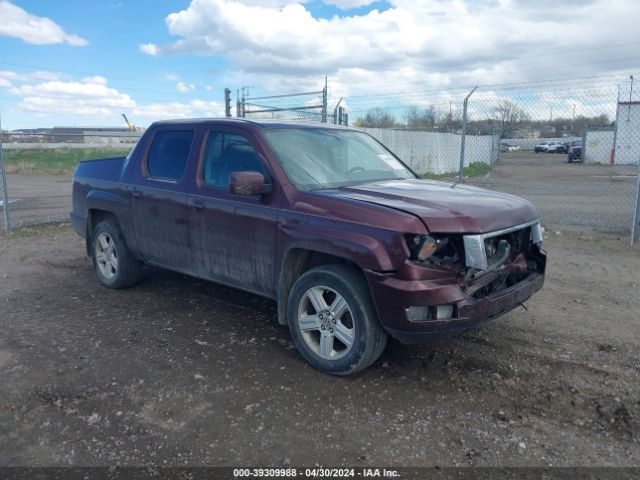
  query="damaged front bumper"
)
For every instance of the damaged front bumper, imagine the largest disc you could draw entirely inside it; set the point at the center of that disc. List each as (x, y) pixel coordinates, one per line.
(465, 304)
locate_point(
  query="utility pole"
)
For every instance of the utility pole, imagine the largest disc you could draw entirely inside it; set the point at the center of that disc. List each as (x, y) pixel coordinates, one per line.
(464, 133)
(227, 102)
(242, 104)
(5, 187)
(630, 99)
(324, 101)
(337, 113)
(246, 90)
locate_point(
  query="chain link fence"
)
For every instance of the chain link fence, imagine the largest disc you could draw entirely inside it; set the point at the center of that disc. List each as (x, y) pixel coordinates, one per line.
(571, 151)
(572, 148)
(38, 169)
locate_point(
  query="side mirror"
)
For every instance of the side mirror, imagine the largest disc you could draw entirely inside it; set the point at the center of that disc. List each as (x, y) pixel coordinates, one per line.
(248, 183)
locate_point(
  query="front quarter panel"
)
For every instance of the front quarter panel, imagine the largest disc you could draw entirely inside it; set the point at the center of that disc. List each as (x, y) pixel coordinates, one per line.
(380, 250)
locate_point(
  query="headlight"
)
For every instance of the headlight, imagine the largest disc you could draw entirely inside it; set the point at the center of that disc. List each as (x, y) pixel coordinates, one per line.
(424, 246)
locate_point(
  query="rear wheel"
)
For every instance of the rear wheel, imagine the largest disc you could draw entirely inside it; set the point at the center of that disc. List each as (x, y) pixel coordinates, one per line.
(114, 264)
(333, 321)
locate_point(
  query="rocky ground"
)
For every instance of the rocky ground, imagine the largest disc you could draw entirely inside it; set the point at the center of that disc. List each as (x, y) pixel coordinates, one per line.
(177, 371)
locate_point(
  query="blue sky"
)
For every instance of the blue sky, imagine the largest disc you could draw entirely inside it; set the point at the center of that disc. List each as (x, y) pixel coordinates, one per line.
(86, 62)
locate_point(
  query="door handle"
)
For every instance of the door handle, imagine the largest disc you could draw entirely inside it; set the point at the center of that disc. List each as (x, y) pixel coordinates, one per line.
(135, 193)
(197, 203)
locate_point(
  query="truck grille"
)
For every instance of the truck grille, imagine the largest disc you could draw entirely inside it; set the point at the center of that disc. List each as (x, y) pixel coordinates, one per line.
(488, 251)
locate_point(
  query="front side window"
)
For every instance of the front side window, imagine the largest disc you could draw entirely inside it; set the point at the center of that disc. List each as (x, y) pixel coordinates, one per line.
(317, 158)
(227, 153)
(169, 153)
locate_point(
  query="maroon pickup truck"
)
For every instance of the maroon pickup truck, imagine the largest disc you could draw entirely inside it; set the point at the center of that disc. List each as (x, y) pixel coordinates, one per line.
(351, 243)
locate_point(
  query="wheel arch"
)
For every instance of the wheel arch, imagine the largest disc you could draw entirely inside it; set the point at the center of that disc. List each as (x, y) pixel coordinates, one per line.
(94, 217)
(100, 205)
(297, 261)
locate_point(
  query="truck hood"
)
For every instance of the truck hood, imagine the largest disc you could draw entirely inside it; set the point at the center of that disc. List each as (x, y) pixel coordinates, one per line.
(445, 207)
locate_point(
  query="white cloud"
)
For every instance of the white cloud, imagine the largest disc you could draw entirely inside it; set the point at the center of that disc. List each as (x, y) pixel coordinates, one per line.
(195, 108)
(347, 4)
(89, 97)
(150, 49)
(25, 77)
(16, 22)
(91, 100)
(450, 43)
(184, 87)
(181, 86)
(271, 3)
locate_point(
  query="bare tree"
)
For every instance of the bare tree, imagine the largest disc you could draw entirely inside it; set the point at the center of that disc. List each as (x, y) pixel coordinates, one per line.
(421, 118)
(509, 117)
(376, 118)
(451, 122)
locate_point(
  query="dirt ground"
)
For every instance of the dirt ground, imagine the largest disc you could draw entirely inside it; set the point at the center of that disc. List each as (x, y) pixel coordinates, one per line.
(177, 371)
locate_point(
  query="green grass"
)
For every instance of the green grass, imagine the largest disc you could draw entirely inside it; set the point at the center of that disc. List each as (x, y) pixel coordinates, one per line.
(475, 169)
(61, 161)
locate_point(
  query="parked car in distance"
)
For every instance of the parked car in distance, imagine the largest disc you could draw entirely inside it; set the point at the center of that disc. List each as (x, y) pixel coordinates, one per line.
(568, 145)
(575, 153)
(564, 146)
(507, 147)
(555, 147)
(541, 147)
(351, 244)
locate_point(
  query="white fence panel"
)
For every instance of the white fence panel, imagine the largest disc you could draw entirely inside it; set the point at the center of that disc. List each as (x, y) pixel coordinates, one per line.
(433, 152)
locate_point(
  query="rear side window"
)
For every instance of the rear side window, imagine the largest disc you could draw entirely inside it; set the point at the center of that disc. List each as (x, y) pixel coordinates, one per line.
(169, 153)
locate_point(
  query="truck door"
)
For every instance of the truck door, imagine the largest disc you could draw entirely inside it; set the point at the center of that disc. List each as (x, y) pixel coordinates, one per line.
(233, 236)
(160, 202)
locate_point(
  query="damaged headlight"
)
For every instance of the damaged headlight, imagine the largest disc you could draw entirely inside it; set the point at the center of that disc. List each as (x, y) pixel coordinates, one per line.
(422, 246)
(437, 249)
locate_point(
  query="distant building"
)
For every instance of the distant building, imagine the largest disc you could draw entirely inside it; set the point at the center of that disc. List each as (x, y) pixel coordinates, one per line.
(620, 146)
(87, 134)
(627, 138)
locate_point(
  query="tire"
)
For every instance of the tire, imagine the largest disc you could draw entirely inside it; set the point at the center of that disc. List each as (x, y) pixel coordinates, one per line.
(318, 321)
(113, 263)
(569, 159)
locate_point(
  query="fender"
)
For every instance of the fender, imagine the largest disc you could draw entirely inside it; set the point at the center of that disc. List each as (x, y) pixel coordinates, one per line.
(115, 203)
(367, 251)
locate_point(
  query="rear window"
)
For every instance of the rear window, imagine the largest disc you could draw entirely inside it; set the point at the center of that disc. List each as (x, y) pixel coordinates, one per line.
(169, 154)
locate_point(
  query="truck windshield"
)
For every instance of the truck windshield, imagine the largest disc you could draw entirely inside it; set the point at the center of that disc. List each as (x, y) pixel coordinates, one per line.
(319, 158)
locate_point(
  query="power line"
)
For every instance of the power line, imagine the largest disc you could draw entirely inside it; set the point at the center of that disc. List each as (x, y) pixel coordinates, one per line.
(505, 86)
(566, 52)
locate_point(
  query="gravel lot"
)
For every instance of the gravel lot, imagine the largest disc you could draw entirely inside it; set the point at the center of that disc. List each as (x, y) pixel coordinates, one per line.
(38, 198)
(598, 196)
(177, 371)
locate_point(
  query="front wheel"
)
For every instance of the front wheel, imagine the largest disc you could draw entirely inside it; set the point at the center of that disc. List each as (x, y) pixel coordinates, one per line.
(114, 264)
(333, 322)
